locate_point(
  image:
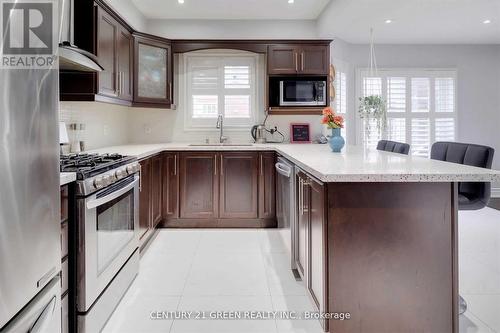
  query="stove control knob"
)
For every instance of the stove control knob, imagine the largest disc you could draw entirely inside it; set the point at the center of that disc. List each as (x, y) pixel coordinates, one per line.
(120, 173)
(108, 180)
(132, 168)
(99, 182)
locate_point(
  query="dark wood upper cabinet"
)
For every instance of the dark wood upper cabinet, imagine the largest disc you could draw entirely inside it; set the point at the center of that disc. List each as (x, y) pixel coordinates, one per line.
(283, 59)
(100, 31)
(170, 186)
(107, 38)
(145, 216)
(238, 184)
(156, 190)
(152, 71)
(199, 190)
(125, 65)
(314, 59)
(298, 59)
(267, 185)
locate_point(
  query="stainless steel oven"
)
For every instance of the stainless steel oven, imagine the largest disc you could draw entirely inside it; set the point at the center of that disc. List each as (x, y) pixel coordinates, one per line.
(108, 236)
(302, 92)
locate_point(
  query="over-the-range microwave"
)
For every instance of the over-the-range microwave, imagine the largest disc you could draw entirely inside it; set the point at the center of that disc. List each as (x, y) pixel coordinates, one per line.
(300, 92)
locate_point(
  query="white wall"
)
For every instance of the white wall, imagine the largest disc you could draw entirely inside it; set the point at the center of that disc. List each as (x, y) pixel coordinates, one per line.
(233, 29)
(106, 124)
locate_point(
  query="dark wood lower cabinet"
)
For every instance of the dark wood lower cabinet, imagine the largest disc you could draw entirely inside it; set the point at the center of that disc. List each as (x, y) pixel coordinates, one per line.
(170, 185)
(219, 189)
(145, 198)
(199, 188)
(238, 185)
(267, 185)
(156, 190)
(302, 224)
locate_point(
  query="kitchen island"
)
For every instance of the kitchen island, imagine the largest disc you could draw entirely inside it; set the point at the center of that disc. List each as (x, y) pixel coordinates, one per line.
(376, 233)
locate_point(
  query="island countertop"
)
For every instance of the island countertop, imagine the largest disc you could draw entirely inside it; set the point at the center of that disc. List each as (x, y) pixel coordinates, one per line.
(353, 164)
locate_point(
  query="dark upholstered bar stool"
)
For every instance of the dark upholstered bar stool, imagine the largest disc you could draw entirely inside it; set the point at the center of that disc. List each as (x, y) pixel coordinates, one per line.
(471, 196)
(393, 146)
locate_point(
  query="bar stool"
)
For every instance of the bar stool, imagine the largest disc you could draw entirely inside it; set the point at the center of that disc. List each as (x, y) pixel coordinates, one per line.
(393, 146)
(471, 195)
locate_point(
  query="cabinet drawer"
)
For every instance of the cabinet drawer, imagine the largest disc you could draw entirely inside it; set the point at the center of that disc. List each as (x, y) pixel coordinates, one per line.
(64, 277)
(64, 239)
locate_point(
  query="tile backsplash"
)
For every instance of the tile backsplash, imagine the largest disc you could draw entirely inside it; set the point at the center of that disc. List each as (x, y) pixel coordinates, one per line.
(105, 124)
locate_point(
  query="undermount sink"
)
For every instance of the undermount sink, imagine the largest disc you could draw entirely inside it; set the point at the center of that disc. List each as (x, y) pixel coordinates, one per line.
(221, 145)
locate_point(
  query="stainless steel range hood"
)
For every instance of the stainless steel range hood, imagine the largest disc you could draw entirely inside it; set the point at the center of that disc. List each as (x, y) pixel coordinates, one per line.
(70, 56)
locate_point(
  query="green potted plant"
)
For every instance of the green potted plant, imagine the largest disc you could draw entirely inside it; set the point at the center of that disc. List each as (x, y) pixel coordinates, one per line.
(373, 107)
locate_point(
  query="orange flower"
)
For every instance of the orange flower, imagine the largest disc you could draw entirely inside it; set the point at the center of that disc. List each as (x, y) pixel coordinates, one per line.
(328, 111)
(325, 119)
(338, 120)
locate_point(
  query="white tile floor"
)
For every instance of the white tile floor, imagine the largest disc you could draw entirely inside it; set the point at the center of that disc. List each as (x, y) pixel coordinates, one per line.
(231, 269)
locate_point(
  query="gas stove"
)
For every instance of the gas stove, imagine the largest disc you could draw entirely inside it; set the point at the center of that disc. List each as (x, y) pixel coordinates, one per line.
(98, 171)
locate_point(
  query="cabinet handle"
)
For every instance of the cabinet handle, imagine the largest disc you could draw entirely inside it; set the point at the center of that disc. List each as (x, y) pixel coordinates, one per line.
(221, 165)
(261, 165)
(296, 62)
(300, 197)
(302, 61)
(122, 74)
(175, 165)
(140, 178)
(215, 165)
(118, 83)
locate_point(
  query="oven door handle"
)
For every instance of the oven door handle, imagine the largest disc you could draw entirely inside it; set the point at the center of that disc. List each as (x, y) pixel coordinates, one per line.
(101, 201)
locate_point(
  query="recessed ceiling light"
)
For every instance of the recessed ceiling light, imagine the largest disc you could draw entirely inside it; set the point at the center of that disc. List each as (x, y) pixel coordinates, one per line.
(388, 21)
(180, 1)
(486, 21)
(291, 1)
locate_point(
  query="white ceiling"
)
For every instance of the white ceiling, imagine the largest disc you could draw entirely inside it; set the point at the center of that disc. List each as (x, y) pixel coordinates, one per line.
(231, 9)
(413, 21)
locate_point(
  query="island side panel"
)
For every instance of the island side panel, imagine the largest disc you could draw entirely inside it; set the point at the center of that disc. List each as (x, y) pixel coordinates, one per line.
(392, 256)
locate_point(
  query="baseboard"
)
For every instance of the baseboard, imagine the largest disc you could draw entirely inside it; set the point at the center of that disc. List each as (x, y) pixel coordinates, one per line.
(495, 192)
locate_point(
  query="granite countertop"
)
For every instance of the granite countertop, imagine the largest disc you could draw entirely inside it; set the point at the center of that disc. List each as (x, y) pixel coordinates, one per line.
(354, 164)
(66, 178)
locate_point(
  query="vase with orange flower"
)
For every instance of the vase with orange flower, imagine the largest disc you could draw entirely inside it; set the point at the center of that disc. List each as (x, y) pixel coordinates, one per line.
(335, 123)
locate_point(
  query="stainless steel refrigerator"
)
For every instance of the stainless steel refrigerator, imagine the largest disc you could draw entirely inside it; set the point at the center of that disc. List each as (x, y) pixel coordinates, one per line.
(30, 250)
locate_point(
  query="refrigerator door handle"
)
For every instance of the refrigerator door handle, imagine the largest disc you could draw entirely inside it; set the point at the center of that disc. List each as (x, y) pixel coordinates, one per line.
(45, 317)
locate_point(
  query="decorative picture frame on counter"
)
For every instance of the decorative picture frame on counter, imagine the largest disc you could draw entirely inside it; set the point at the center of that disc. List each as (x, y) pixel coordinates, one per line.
(300, 133)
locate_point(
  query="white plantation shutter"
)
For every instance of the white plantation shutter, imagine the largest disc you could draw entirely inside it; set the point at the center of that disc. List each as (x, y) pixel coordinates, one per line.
(445, 94)
(396, 94)
(220, 84)
(420, 136)
(396, 129)
(421, 106)
(445, 129)
(420, 94)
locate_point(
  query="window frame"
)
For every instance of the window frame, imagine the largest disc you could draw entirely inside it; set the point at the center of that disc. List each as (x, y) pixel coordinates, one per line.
(408, 115)
(190, 123)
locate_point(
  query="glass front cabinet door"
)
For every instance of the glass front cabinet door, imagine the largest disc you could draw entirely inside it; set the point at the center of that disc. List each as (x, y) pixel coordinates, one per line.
(153, 72)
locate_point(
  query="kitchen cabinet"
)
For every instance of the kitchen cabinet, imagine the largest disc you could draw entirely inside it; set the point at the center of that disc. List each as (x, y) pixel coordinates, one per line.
(145, 216)
(152, 71)
(238, 184)
(311, 240)
(302, 223)
(267, 185)
(298, 59)
(150, 196)
(199, 187)
(170, 185)
(64, 199)
(100, 31)
(156, 190)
